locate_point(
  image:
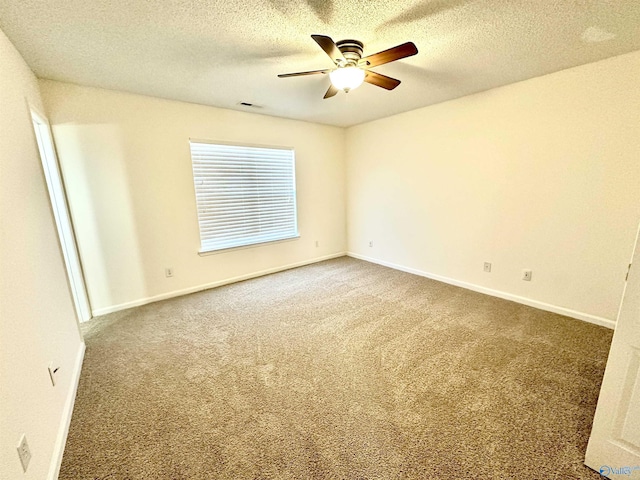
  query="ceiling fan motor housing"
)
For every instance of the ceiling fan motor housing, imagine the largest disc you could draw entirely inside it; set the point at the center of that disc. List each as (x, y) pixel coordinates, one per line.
(351, 50)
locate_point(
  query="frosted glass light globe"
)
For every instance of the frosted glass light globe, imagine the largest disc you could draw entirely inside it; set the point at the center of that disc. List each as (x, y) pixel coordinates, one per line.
(347, 78)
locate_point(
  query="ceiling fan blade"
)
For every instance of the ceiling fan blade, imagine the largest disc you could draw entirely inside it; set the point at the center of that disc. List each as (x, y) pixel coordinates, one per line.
(331, 92)
(381, 80)
(392, 54)
(298, 74)
(329, 47)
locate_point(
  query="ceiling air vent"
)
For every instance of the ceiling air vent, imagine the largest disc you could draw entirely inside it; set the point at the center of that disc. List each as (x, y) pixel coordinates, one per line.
(250, 105)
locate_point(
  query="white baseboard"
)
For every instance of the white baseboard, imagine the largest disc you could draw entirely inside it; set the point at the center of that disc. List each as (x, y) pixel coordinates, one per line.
(604, 322)
(177, 293)
(65, 422)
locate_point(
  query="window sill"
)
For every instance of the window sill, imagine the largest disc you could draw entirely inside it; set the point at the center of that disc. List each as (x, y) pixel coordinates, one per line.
(205, 253)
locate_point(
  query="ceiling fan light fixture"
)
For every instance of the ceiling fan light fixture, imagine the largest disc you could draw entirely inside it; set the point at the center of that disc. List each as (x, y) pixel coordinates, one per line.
(347, 78)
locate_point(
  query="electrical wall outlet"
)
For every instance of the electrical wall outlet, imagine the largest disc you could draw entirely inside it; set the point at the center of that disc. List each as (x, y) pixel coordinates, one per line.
(487, 267)
(317, 243)
(168, 272)
(52, 373)
(371, 243)
(24, 453)
(526, 275)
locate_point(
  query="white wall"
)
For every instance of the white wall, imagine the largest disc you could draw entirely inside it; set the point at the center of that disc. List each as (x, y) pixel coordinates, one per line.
(542, 174)
(127, 167)
(37, 319)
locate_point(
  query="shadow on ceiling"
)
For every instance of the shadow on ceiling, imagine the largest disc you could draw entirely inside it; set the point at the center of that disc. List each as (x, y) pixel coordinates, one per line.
(323, 9)
(423, 10)
(444, 80)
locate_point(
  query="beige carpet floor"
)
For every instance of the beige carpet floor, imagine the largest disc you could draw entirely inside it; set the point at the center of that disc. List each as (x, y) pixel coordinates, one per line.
(338, 370)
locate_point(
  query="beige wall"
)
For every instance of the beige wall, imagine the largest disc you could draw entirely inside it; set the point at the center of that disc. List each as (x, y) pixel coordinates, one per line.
(542, 174)
(37, 319)
(127, 168)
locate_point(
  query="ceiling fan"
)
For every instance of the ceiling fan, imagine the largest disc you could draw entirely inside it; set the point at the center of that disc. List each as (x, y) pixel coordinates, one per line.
(351, 69)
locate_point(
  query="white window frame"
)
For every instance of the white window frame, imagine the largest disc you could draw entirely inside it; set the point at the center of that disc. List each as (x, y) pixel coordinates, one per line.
(263, 207)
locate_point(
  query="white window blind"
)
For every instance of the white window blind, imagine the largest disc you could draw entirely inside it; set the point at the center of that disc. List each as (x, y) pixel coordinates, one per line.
(244, 195)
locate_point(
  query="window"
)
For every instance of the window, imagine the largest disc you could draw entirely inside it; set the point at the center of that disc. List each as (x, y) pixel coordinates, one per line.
(245, 195)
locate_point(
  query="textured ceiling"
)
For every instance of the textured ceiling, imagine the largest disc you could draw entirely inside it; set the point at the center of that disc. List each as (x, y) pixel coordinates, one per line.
(223, 52)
